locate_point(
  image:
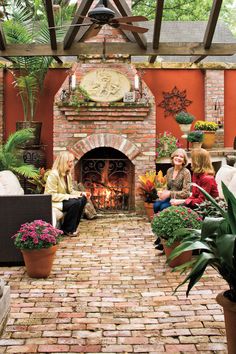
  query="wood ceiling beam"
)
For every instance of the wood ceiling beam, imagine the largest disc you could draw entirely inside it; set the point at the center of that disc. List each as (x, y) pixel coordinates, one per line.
(125, 11)
(73, 30)
(51, 23)
(91, 48)
(157, 28)
(210, 29)
(2, 39)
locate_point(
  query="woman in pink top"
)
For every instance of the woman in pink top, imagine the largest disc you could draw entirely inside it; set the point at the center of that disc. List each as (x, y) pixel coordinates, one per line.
(203, 175)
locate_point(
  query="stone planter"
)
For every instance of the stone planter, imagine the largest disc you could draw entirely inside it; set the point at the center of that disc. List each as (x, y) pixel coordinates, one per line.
(185, 128)
(229, 308)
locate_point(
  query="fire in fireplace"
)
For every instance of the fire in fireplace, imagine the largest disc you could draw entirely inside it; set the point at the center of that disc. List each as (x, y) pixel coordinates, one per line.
(109, 175)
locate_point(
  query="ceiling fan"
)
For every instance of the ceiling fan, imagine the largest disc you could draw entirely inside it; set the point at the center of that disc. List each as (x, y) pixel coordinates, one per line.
(102, 15)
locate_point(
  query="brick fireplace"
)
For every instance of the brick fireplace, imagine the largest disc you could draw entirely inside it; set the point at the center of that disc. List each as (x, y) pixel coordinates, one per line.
(125, 130)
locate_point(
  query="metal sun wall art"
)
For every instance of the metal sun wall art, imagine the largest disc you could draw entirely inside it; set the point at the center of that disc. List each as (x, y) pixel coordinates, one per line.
(174, 102)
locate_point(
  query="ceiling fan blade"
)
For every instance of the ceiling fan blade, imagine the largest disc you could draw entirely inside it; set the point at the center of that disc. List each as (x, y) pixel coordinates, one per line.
(92, 31)
(131, 28)
(130, 19)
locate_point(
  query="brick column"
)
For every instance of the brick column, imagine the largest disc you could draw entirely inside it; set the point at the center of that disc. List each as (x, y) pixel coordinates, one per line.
(214, 101)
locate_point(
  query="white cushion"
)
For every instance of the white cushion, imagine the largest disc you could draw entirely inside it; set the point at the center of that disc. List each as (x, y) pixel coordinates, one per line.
(57, 215)
(9, 184)
(232, 185)
(225, 174)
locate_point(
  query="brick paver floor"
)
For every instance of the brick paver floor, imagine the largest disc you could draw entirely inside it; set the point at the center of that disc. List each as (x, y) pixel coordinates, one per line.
(110, 292)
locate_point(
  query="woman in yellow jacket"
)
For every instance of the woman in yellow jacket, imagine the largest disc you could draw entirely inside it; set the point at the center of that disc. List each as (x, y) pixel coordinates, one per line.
(64, 197)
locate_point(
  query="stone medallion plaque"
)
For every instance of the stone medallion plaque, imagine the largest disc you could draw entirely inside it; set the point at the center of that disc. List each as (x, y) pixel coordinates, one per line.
(105, 85)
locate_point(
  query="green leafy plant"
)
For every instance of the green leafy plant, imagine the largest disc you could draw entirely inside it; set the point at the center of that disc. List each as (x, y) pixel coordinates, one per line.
(205, 125)
(36, 235)
(11, 157)
(39, 181)
(206, 208)
(195, 136)
(166, 143)
(24, 24)
(169, 220)
(149, 183)
(184, 118)
(216, 242)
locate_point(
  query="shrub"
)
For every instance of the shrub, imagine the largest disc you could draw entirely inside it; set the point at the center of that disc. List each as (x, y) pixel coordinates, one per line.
(36, 235)
(170, 220)
(166, 144)
(195, 136)
(184, 118)
(205, 125)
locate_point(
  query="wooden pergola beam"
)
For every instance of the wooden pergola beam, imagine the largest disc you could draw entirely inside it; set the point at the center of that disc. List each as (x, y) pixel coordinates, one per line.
(125, 11)
(2, 39)
(51, 23)
(157, 27)
(73, 30)
(114, 48)
(210, 29)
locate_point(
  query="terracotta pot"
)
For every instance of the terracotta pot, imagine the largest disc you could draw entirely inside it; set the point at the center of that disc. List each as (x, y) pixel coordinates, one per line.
(39, 262)
(208, 139)
(229, 308)
(149, 210)
(181, 259)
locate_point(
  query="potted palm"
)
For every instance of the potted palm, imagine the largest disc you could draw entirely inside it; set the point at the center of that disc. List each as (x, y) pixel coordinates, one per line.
(38, 241)
(184, 119)
(209, 129)
(196, 138)
(27, 24)
(167, 224)
(216, 245)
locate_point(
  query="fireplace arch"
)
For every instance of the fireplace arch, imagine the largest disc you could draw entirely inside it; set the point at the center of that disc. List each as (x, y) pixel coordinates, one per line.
(109, 175)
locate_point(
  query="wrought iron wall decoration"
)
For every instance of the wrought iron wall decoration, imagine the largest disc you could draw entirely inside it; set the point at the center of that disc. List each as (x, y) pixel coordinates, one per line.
(174, 102)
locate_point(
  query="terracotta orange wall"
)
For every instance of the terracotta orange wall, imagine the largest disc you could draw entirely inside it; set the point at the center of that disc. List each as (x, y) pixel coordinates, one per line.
(164, 81)
(13, 109)
(230, 108)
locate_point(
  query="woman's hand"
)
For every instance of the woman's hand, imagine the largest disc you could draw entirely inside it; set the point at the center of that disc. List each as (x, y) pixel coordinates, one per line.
(164, 194)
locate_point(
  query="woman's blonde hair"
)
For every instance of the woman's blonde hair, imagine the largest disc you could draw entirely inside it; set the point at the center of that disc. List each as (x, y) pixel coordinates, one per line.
(61, 162)
(201, 162)
(176, 153)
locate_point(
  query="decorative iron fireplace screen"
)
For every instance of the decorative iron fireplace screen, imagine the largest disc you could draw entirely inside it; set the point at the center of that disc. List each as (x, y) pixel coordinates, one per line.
(110, 182)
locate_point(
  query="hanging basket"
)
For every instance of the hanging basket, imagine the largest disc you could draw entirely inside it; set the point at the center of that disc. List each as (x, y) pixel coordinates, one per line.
(39, 263)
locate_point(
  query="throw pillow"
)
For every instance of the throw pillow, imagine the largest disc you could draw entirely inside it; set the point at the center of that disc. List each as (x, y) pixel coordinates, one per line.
(10, 184)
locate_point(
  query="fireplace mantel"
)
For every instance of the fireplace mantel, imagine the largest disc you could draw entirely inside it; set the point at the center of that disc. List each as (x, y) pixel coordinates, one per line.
(118, 111)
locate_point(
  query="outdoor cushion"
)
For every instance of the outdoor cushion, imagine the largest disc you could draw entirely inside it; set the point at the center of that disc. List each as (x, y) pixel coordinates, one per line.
(9, 184)
(225, 174)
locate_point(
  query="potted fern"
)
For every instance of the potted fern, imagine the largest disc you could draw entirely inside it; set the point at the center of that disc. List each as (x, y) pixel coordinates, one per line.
(216, 246)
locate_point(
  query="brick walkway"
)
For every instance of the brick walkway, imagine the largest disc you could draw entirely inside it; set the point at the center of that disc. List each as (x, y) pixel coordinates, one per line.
(110, 292)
